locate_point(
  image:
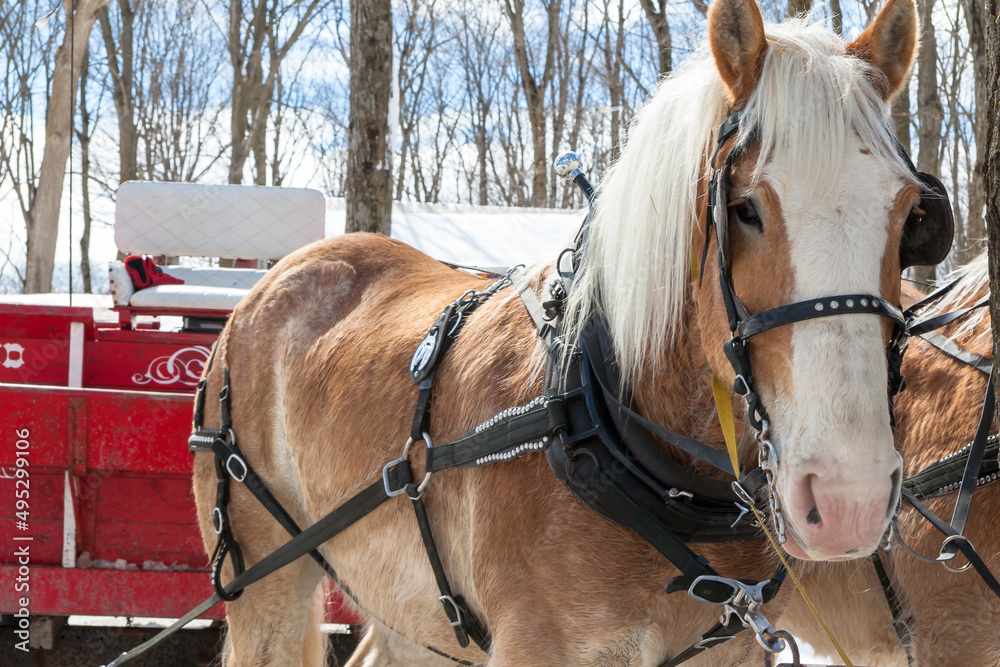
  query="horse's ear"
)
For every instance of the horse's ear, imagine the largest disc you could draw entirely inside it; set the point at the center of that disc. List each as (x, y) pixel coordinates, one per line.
(736, 33)
(890, 44)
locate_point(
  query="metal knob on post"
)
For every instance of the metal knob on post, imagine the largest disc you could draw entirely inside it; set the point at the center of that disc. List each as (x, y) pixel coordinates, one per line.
(568, 166)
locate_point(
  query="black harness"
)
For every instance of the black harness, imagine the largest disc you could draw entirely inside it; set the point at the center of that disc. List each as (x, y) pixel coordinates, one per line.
(977, 464)
(606, 453)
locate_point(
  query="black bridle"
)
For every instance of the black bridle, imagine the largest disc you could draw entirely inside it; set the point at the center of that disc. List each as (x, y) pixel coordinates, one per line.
(744, 326)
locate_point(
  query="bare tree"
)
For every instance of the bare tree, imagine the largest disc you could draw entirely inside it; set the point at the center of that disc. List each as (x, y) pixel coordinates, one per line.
(656, 14)
(164, 60)
(369, 166)
(991, 170)
(259, 29)
(28, 63)
(43, 217)
(930, 113)
(121, 56)
(416, 45)
(484, 65)
(976, 26)
(84, 135)
(534, 86)
(612, 41)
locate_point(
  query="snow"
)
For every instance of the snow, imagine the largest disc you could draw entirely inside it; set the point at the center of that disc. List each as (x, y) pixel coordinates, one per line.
(85, 561)
(483, 236)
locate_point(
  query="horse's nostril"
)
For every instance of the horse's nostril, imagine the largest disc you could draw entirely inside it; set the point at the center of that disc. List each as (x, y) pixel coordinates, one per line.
(813, 517)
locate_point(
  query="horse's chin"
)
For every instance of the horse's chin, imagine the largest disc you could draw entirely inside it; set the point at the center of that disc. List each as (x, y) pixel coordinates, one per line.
(794, 548)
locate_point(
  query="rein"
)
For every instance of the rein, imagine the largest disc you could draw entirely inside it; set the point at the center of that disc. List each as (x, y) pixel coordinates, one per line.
(977, 464)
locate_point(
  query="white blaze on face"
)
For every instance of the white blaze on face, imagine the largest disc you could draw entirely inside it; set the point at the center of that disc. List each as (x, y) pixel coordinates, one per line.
(838, 468)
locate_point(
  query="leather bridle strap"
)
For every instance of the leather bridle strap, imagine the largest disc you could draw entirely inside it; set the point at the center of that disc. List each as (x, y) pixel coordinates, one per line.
(962, 544)
(901, 621)
(816, 308)
(949, 347)
(308, 540)
(972, 467)
(932, 323)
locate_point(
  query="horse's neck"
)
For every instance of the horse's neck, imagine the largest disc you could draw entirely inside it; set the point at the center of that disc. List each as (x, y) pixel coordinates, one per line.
(678, 394)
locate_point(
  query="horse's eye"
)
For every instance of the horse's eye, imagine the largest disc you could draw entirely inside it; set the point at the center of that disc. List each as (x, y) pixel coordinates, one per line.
(746, 213)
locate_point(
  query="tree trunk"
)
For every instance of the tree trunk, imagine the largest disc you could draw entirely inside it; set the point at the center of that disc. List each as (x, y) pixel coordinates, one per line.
(796, 7)
(535, 88)
(930, 113)
(977, 44)
(901, 117)
(246, 64)
(481, 155)
(120, 64)
(837, 17)
(991, 170)
(84, 137)
(59, 114)
(369, 167)
(656, 13)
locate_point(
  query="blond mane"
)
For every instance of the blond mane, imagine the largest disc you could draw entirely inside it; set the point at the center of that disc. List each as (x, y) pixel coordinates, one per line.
(973, 284)
(637, 265)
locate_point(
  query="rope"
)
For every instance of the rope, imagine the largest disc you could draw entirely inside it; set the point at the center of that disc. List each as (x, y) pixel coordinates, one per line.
(721, 395)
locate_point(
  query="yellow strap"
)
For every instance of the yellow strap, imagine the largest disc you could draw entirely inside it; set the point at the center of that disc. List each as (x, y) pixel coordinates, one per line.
(725, 409)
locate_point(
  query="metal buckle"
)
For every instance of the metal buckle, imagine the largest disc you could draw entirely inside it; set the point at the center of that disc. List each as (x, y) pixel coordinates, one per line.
(738, 382)
(446, 600)
(389, 491)
(741, 592)
(385, 478)
(241, 462)
(744, 603)
(217, 520)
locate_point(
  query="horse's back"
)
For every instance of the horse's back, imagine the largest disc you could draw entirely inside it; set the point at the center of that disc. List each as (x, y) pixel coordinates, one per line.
(327, 335)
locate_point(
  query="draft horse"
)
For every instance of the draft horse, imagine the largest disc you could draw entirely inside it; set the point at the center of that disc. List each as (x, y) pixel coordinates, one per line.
(950, 618)
(810, 211)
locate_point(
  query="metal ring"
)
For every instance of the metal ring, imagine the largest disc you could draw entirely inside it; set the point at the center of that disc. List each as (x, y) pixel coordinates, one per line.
(944, 562)
(217, 520)
(942, 558)
(406, 451)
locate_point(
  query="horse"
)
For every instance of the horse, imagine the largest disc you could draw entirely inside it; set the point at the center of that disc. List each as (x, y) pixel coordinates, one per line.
(953, 616)
(316, 358)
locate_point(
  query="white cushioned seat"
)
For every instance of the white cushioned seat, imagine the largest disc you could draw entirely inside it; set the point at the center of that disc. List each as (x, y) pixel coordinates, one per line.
(193, 220)
(198, 297)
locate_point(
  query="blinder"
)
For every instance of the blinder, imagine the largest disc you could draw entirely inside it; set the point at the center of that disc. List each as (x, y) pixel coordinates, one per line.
(927, 236)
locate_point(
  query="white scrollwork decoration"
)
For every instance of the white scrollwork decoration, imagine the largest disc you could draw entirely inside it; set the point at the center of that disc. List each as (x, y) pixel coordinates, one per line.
(182, 367)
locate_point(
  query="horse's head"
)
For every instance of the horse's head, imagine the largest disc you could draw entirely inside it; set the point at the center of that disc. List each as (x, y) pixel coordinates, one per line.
(819, 203)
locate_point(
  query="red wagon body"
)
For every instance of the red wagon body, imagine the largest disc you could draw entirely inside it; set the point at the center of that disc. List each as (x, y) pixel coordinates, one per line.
(94, 417)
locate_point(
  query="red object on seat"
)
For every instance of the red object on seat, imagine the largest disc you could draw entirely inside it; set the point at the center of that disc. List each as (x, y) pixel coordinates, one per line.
(145, 273)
